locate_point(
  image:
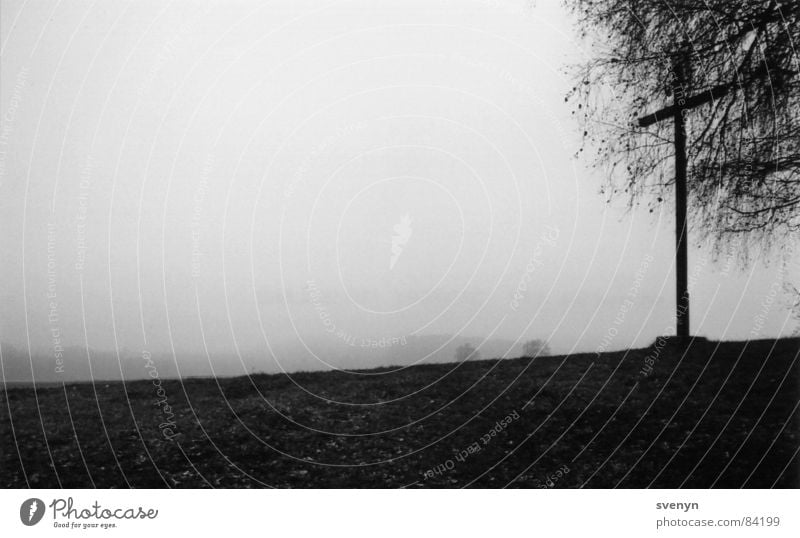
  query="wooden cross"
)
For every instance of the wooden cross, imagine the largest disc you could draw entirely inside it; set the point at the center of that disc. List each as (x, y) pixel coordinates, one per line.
(680, 106)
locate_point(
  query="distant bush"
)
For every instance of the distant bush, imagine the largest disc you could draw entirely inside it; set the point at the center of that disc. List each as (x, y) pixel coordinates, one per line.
(535, 348)
(466, 352)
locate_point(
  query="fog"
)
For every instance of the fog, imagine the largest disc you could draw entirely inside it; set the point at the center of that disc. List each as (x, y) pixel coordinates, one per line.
(282, 186)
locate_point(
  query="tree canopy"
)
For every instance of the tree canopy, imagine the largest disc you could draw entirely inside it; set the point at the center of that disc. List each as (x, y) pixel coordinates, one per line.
(743, 145)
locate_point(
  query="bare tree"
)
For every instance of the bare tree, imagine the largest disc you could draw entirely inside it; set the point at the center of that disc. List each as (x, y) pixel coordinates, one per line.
(743, 130)
(535, 348)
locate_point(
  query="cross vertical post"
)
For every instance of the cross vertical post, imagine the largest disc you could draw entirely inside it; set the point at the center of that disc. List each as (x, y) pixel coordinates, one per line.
(681, 104)
(681, 224)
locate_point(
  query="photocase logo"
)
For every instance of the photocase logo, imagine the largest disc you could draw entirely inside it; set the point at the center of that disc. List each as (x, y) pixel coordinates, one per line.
(402, 233)
(31, 511)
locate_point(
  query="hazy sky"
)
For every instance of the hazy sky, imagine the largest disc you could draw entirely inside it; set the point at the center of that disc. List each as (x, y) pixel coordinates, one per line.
(249, 175)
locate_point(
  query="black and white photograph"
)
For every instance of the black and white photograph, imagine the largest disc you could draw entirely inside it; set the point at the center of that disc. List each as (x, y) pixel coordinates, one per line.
(399, 245)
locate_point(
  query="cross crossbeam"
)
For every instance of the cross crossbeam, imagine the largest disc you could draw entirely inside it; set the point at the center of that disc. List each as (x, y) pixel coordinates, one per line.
(717, 92)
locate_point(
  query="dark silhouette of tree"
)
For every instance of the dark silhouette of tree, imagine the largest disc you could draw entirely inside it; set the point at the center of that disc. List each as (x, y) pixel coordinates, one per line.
(535, 348)
(743, 143)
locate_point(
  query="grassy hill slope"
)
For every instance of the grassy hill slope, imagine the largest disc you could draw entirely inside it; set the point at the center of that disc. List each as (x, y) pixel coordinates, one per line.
(719, 415)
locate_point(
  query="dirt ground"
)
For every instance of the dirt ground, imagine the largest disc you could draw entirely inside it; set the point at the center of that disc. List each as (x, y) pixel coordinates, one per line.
(717, 415)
